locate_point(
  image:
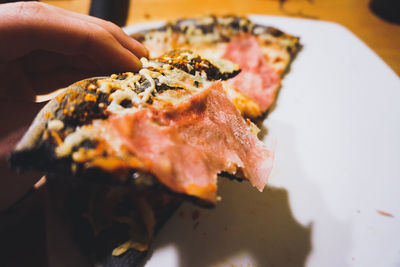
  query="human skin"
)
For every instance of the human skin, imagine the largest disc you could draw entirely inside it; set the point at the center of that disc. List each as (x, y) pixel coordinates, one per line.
(44, 48)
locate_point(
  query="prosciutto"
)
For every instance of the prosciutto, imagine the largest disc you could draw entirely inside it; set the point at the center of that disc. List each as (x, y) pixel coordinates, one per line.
(257, 80)
(187, 145)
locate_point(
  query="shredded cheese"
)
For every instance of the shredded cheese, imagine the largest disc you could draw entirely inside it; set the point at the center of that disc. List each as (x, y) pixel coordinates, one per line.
(55, 125)
(139, 88)
(74, 139)
(149, 90)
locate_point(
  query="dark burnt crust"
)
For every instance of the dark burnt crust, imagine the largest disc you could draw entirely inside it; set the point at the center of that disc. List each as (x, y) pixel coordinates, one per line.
(36, 150)
(41, 158)
(281, 38)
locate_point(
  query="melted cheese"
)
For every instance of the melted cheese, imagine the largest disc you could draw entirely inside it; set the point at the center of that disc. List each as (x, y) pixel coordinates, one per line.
(76, 138)
(141, 90)
(149, 90)
(223, 64)
(55, 125)
(165, 74)
(117, 97)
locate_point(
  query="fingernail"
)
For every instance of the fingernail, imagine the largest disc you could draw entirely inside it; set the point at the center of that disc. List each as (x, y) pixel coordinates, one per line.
(147, 52)
(143, 51)
(138, 64)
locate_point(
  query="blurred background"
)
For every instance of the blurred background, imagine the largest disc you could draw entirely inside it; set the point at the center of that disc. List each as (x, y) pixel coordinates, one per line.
(374, 21)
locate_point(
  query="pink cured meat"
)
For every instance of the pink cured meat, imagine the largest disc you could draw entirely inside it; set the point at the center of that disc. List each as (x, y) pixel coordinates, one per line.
(257, 80)
(187, 145)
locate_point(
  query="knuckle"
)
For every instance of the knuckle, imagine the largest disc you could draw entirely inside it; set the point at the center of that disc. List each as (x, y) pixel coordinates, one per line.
(94, 35)
(30, 9)
(112, 28)
(101, 34)
(110, 25)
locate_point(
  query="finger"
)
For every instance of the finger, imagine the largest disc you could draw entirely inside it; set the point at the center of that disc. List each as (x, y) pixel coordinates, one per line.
(55, 79)
(39, 72)
(43, 61)
(102, 47)
(35, 26)
(14, 83)
(126, 41)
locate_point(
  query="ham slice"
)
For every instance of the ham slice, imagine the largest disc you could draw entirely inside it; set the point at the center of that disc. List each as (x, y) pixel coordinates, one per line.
(187, 145)
(257, 80)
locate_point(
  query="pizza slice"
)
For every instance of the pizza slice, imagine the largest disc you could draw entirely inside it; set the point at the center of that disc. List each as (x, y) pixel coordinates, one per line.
(133, 146)
(172, 120)
(263, 54)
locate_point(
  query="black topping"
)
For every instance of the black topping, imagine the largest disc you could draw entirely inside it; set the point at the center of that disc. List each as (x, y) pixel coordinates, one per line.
(75, 110)
(275, 32)
(126, 103)
(225, 26)
(88, 144)
(121, 76)
(163, 87)
(195, 64)
(207, 28)
(235, 24)
(143, 85)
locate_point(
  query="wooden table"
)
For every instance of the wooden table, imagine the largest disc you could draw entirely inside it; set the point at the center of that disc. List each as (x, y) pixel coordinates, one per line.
(383, 37)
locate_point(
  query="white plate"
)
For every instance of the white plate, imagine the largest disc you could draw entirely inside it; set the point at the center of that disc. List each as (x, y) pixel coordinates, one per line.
(337, 126)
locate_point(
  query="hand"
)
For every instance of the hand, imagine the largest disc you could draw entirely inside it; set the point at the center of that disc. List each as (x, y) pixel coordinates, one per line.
(44, 48)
